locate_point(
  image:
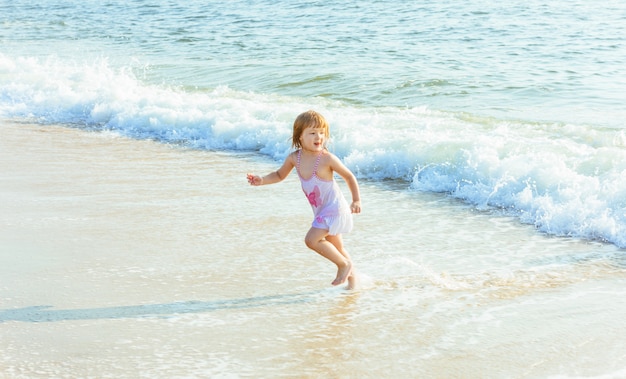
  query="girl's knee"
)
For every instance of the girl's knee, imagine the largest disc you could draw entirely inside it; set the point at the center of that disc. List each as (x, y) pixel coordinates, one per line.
(314, 237)
(310, 242)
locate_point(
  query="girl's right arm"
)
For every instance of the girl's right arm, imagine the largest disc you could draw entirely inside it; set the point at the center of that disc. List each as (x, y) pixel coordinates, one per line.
(276, 176)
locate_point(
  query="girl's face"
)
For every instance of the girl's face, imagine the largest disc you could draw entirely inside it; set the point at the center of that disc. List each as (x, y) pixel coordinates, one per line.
(313, 139)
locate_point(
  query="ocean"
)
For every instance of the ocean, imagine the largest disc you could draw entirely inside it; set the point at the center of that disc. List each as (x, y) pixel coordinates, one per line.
(516, 108)
(489, 139)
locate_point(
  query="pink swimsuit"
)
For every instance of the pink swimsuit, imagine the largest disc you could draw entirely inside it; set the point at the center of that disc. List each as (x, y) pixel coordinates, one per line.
(330, 208)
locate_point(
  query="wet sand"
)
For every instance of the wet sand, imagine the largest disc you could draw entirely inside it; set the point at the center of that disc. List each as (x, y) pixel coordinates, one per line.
(125, 258)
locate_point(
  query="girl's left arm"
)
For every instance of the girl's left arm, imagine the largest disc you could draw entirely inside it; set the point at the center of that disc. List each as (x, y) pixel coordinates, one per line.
(337, 166)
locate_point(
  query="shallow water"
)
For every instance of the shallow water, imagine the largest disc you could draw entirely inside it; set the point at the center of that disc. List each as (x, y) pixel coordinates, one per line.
(124, 258)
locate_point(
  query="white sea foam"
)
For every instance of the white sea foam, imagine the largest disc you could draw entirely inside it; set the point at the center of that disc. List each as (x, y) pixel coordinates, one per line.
(565, 179)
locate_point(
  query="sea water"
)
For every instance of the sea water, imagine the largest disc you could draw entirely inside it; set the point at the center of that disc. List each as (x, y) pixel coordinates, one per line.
(516, 107)
(489, 138)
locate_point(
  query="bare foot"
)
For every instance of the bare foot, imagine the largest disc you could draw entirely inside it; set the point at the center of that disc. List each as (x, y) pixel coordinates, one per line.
(342, 274)
(353, 280)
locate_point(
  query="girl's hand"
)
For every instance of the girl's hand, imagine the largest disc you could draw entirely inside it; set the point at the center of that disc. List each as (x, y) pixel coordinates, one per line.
(355, 207)
(254, 180)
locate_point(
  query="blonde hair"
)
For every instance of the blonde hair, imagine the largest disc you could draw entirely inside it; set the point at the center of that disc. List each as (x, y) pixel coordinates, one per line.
(305, 120)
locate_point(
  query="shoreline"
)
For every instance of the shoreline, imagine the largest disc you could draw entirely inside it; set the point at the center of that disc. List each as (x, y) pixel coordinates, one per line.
(130, 258)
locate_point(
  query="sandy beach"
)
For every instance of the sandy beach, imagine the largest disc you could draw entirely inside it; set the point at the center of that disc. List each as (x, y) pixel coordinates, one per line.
(97, 228)
(124, 258)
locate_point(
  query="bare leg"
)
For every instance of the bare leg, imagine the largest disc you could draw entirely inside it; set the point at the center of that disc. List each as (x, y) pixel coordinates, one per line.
(337, 241)
(316, 239)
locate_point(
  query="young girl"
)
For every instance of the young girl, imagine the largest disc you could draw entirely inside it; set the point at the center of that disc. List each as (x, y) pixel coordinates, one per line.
(315, 166)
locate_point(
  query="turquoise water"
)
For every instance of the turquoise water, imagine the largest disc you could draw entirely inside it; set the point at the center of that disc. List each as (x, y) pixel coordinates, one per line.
(516, 107)
(558, 61)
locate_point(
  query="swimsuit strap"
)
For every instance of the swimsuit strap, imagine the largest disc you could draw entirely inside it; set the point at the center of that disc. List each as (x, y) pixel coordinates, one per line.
(298, 161)
(317, 162)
